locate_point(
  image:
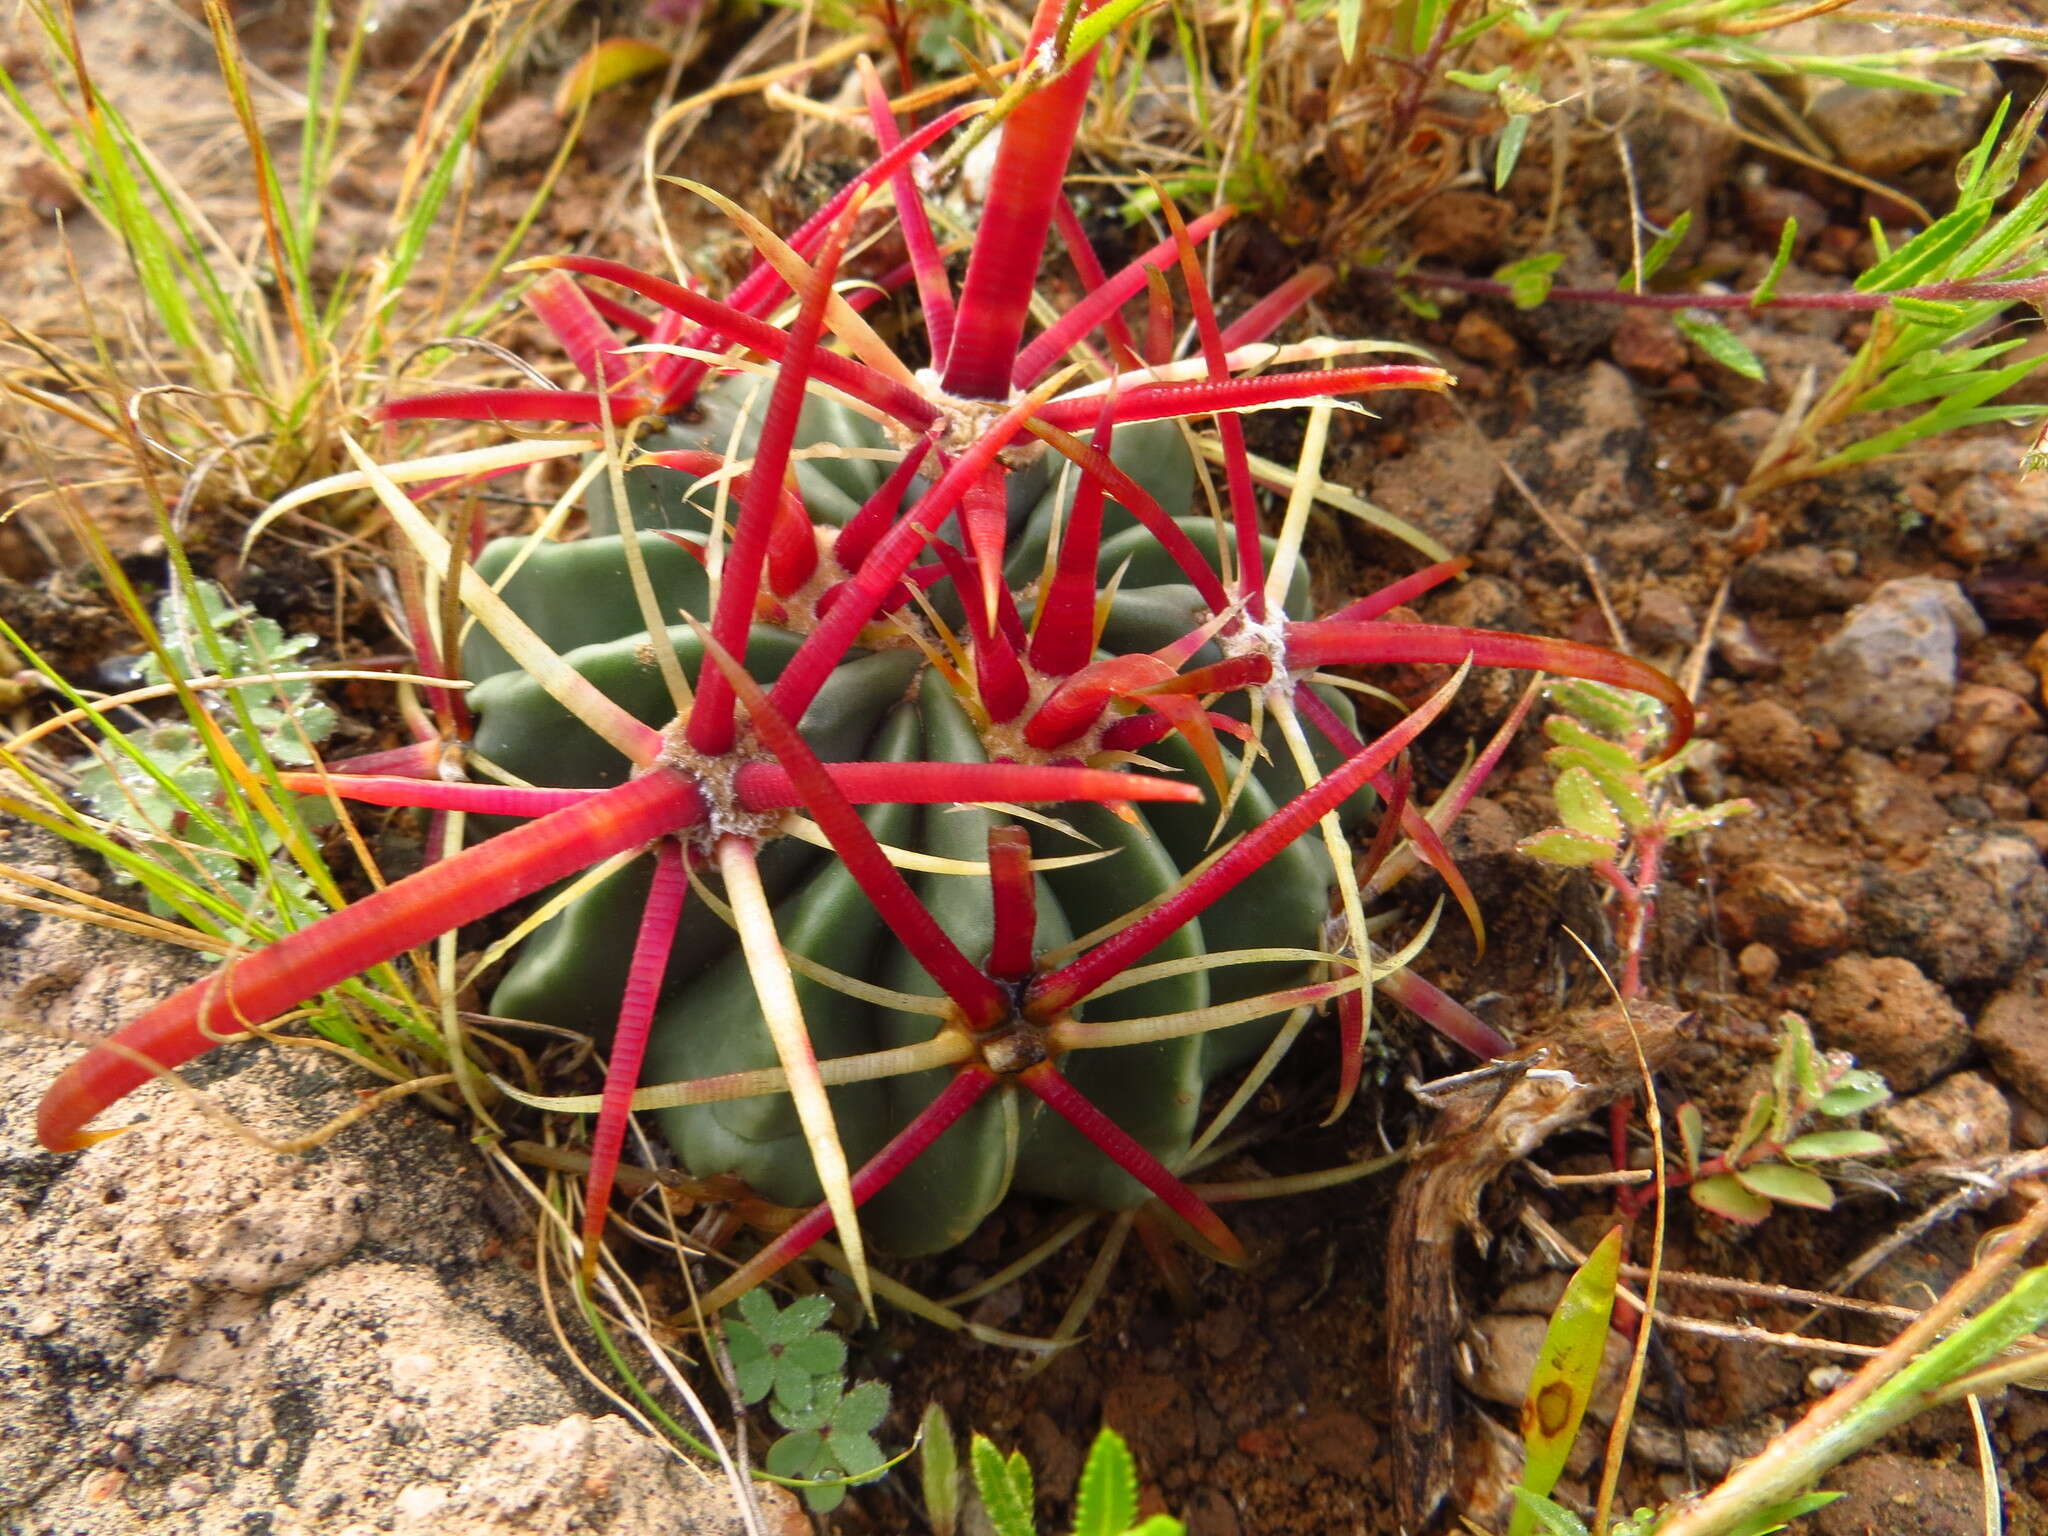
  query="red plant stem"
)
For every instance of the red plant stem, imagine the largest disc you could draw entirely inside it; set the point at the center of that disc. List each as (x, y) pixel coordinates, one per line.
(980, 1001)
(1135, 732)
(1237, 469)
(509, 407)
(1145, 507)
(1637, 894)
(866, 527)
(415, 760)
(1158, 321)
(1045, 1082)
(1323, 642)
(1031, 163)
(773, 343)
(1065, 636)
(1059, 991)
(1201, 397)
(1392, 816)
(711, 728)
(758, 291)
(1014, 891)
(1225, 676)
(2018, 290)
(1444, 1014)
(1273, 311)
(624, 316)
(1350, 1049)
(1088, 267)
(934, 292)
(265, 984)
(1394, 595)
(629, 1044)
(967, 1089)
(1050, 344)
(771, 787)
(566, 310)
(436, 794)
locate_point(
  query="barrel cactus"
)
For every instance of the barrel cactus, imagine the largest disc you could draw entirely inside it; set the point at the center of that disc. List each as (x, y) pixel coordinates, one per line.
(881, 607)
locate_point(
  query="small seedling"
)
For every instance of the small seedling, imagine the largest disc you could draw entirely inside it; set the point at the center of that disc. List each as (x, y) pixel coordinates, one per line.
(1105, 1499)
(787, 1357)
(1561, 1386)
(1615, 817)
(1774, 1159)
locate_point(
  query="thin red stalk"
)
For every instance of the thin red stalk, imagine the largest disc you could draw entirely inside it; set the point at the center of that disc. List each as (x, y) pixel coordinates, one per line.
(1049, 345)
(2019, 290)
(711, 728)
(967, 1089)
(436, 794)
(629, 1043)
(1444, 1014)
(1325, 642)
(1397, 797)
(1350, 1049)
(1142, 505)
(1134, 733)
(1014, 891)
(509, 407)
(1202, 397)
(415, 760)
(1031, 163)
(1237, 469)
(1429, 844)
(921, 577)
(773, 343)
(624, 316)
(1388, 598)
(1158, 321)
(866, 527)
(999, 680)
(1088, 266)
(863, 596)
(1065, 636)
(1116, 1144)
(1061, 990)
(770, 787)
(1231, 673)
(934, 292)
(263, 985)
(760, 289)
(1271, 312)
(566, 310)
(978, 998)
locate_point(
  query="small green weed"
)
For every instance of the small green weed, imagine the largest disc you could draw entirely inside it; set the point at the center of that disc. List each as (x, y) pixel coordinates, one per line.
(785, 1356)
(1105, 1498)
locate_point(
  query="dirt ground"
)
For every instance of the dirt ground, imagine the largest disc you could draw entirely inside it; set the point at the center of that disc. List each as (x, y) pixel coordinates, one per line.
(1890, 885)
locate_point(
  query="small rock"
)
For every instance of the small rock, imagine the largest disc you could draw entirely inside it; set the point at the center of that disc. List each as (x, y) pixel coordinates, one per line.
(1882, 131)
(1776, 904)
(48, 193)
(1445, 484)
(2013, 1032)
(1902, 1496)
(1743, 653)
(525, 133)
(1340, 1443)
(1758, 964)
(1767, 739)
(1460, 227)
(1664, 620)
(1485, 340)
(1886, 677)
(1648, 345)
(1888, 805)
(1961, 1117)
(1509, 1346)
(1798, 582)
(1969, 913)
(1571, 334)
(2027, 759)
(1983, 724)
(1887, 1014)
(1993, 516)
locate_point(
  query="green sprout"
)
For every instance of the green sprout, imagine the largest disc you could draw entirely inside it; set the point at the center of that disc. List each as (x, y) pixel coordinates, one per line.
(787, 1357)
(1105, 1498)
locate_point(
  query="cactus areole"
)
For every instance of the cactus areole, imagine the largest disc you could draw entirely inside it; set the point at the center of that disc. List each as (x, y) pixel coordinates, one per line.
(846, 622)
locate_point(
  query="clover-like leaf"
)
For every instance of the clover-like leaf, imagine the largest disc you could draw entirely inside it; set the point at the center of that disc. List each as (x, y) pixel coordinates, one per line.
(1584, 807)
(818, 1354)
(1723, 1195)
(811, 1409)
(855, 1451)
(1560, 845)
(862, 1409)
(1833, 1146)
(753, 1366)
(805, 1315)
(1788, 1185)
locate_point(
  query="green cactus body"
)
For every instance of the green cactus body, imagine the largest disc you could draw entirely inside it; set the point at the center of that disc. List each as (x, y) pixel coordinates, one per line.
(889, 705)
